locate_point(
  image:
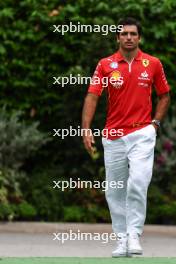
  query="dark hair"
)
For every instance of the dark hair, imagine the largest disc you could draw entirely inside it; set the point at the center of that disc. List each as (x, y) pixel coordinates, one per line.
(130, 21)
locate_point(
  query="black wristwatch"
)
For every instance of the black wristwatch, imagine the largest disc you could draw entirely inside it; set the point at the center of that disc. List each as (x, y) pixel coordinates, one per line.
(156, 122)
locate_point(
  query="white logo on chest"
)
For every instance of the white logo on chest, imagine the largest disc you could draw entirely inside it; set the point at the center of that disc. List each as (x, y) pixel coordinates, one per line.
(144, 76)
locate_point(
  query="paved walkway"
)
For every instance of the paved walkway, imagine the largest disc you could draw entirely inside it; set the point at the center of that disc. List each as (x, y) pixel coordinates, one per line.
(36, 240)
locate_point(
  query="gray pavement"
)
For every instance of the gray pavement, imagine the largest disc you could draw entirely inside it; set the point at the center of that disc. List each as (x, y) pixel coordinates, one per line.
(37, 240)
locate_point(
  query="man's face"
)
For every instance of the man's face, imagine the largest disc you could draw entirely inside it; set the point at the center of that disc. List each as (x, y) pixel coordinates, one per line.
(129, 38)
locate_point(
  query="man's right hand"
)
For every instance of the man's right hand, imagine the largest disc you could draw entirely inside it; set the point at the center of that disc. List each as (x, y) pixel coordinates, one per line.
(88, 140)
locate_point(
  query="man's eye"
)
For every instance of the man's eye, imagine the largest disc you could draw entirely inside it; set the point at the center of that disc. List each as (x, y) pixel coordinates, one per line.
(131, 33)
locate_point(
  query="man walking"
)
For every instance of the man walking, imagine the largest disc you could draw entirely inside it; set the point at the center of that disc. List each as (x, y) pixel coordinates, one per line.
(129, 156)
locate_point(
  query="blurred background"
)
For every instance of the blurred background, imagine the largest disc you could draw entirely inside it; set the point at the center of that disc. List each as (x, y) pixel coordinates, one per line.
(31, 158)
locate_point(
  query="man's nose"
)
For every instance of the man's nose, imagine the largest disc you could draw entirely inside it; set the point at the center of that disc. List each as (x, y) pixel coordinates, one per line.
(129, 36)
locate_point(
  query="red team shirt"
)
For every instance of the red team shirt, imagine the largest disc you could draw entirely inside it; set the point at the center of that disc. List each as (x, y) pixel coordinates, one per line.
(129, 88)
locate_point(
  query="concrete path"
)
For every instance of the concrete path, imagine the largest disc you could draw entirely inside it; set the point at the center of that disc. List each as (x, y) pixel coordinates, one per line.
(37, 240)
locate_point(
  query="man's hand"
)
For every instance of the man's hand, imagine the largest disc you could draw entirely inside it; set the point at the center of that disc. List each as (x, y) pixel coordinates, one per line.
(88, 140)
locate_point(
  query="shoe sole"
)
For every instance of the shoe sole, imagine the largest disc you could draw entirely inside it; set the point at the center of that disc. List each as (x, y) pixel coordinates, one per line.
(135, 252)
(119, 256)
(122, 255)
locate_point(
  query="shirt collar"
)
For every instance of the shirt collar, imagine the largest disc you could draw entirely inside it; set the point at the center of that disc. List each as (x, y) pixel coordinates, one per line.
(119, 56)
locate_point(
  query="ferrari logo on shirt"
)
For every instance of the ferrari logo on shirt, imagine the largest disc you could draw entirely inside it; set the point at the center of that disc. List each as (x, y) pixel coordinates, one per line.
(145, 62)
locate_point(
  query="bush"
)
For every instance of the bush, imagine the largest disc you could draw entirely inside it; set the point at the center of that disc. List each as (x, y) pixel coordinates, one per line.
(162, 193)
(26, 211)
(18, 141)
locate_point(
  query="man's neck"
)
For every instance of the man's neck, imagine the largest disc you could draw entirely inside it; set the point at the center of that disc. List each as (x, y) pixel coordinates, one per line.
(129, 55)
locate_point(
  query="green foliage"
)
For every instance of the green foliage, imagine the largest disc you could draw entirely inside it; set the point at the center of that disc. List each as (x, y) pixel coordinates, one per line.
(31, 54)
(18, 142)
(6, 212)
(74, 213)
(48, 202)
(163, 190)
(26, 211)
(18, 139)
(9, 185)
(12, 203)
(91, 214)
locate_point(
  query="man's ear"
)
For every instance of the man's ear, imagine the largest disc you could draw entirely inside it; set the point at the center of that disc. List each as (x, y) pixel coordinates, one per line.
(117, 39)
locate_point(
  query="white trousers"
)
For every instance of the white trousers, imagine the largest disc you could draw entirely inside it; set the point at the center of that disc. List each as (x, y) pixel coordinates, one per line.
(129, 159)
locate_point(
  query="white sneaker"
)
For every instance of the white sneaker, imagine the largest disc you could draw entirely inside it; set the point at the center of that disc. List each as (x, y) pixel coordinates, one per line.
(134, 246)
(121, 249)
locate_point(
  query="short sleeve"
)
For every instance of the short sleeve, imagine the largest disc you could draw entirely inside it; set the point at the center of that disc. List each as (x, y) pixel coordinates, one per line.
(160, 81)
(96, 86)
